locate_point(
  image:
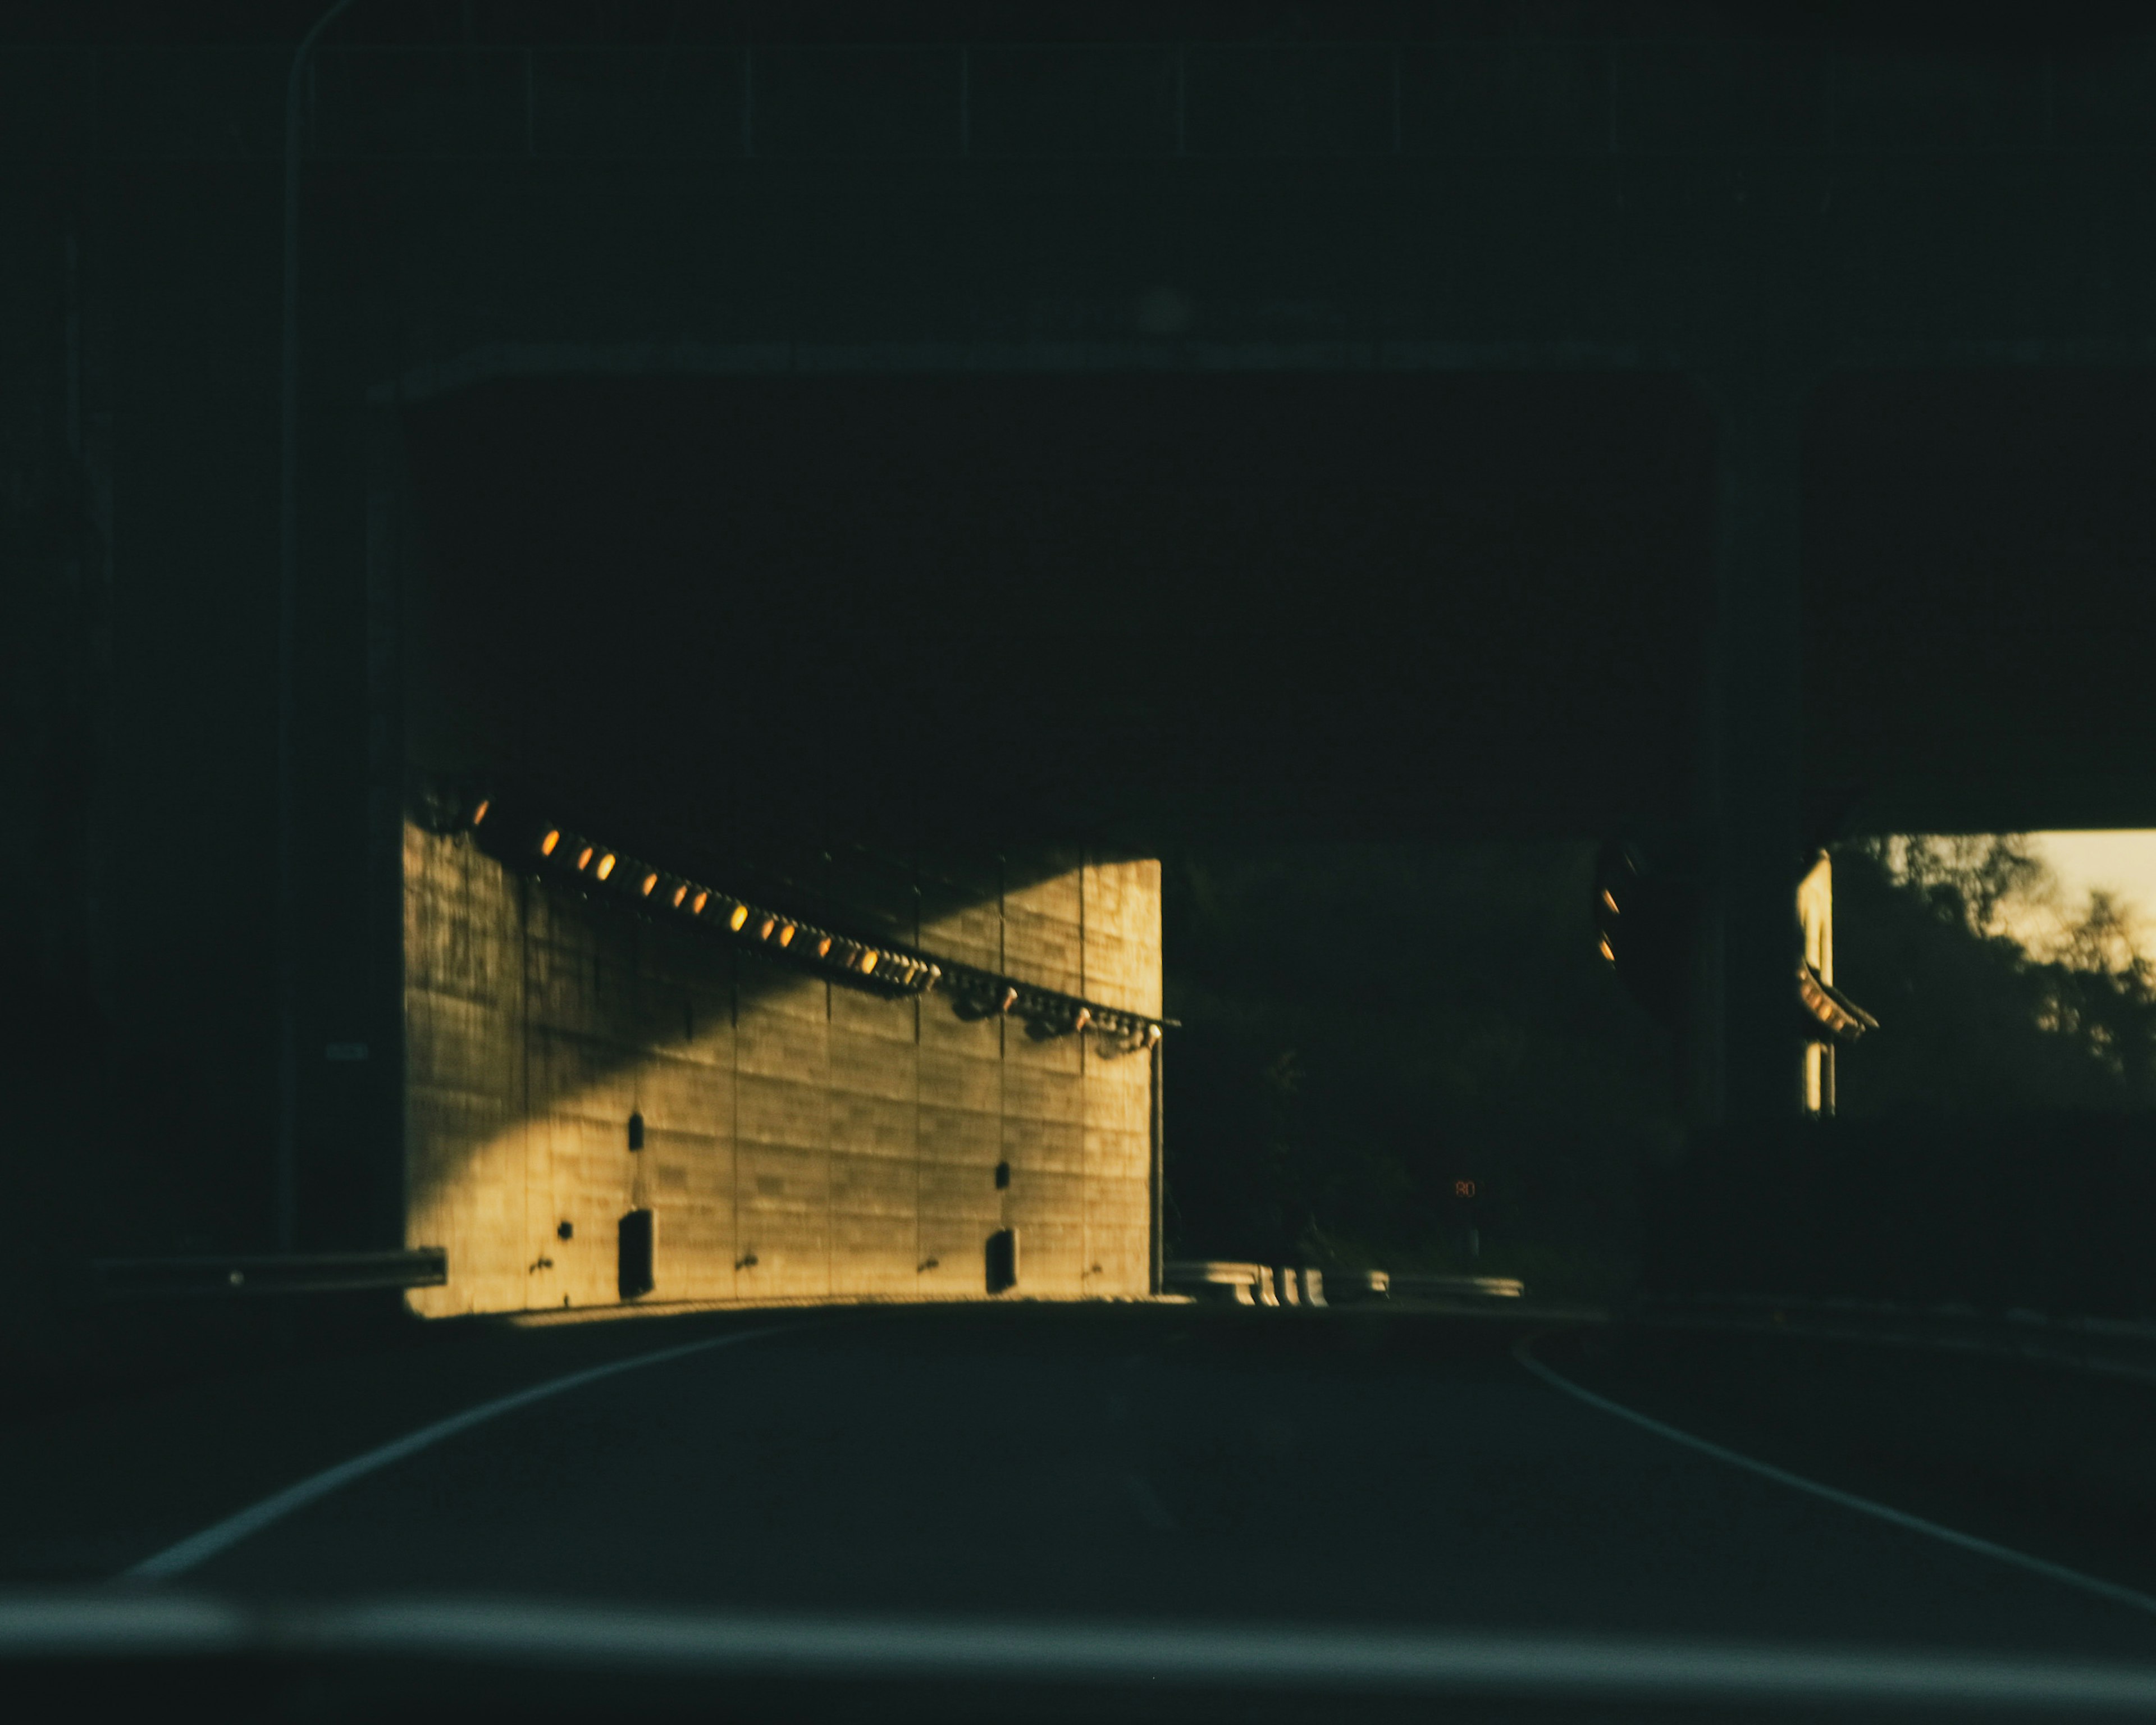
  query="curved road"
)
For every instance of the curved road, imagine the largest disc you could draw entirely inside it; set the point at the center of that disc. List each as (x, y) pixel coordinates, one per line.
(1155, 1462)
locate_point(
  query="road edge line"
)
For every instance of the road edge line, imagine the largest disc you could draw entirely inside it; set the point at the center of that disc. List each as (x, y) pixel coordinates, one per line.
(2111, 1590)
(221, 1536)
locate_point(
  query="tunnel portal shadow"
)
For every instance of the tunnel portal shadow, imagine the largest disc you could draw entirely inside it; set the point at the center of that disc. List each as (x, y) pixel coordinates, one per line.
(1000, 607)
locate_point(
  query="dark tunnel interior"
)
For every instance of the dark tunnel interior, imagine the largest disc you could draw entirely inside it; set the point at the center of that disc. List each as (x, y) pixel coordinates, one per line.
(1980, 573)
(1072, 608)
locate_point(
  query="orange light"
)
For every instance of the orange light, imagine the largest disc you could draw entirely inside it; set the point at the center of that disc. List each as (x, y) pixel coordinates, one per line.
(786, 935)
(1609, 901)
(649, 881)
(868, 962)
(697, 908)
(1607, 954)
(584, 856)
(681, 892)
(1084, 1018)
(548, 843)
(739, 917)
(606, 866)
(478, 814)
(824, 947)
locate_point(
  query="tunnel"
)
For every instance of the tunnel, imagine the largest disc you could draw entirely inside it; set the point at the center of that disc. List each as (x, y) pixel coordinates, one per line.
(668, 663)
(708, 683)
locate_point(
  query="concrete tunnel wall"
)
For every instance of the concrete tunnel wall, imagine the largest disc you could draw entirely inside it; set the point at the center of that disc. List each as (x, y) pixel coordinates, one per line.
(845, 1143)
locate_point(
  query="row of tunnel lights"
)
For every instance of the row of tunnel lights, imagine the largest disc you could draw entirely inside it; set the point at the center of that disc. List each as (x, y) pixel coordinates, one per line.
(895, 968)
(693, 900)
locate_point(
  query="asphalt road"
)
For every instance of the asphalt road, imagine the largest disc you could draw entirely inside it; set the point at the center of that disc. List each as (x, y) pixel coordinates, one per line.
(1158, 1462)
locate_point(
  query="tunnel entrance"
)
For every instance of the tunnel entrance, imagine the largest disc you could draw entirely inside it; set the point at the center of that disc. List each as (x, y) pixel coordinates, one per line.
(881, 606)
(935, 668)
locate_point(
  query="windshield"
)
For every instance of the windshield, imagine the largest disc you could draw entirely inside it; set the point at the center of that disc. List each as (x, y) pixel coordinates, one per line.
(1078, 859)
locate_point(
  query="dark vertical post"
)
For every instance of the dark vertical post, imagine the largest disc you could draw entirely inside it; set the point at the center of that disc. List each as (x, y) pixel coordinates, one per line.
(385, 821)
(1747, 1060)
(1157, 1179)
(285, 1202)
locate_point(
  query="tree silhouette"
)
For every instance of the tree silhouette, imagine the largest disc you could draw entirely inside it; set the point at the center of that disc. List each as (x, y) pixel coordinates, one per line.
(1973, 1019)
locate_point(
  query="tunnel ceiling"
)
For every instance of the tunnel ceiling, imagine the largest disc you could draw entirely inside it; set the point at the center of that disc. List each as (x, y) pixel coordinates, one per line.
(1980, 563)
(1115, 609)
(1141, 609)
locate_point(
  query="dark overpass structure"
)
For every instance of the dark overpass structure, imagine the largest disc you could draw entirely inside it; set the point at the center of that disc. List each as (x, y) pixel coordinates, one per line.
(845, 471)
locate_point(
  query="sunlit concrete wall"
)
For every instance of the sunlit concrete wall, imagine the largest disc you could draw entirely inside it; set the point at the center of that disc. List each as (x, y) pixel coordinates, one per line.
(800, 1137)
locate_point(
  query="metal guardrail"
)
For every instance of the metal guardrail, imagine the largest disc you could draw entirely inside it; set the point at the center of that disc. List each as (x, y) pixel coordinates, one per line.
(1229, 1283)
(1942, 1310)
(1245, 1284)
(2109, 1346)
(1240, 1283)
(212, 1275)
(1353, 1287)
(1412, 1284)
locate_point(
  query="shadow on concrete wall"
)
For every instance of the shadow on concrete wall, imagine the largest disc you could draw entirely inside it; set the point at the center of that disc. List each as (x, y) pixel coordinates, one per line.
(576, 1069)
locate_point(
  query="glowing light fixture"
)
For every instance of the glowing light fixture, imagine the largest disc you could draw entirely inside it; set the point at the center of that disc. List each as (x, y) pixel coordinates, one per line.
(478, 814)
(892, 971)
(1606, 952)
(1609, 901)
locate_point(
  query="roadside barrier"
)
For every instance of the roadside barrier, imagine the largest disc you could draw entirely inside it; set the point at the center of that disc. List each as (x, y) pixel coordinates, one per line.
(1415, 1285)
(247, 1275)
(2110, 1347)
(1228, 1282)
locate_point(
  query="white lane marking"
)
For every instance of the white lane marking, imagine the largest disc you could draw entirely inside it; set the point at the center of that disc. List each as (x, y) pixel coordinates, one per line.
(1848, 1500)
(144, 1625)
(221, 1536)
(524, 1635)
(1269, 1654)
